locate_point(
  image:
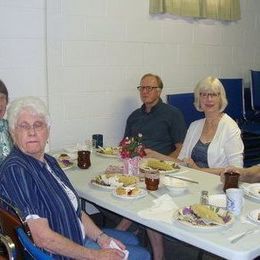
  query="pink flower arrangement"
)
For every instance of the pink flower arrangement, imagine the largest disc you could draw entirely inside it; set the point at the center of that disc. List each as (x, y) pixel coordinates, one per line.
(132, 147)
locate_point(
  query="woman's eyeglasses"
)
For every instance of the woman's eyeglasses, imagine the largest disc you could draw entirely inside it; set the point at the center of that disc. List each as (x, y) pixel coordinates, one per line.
(37, 126)
(147, 88)
(207, 95)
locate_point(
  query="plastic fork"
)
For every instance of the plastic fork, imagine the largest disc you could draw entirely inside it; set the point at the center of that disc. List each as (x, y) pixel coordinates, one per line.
(243, 234)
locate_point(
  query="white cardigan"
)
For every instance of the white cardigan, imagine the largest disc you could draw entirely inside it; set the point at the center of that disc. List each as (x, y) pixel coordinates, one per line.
(226, 148)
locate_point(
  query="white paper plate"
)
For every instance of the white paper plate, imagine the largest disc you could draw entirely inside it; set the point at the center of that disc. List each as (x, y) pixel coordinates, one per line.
(64, 168)
(252, 190)
(106, 187)
(107, 155)
(143, 166)
(73, 156)
(205, 227)
(113, 182)
(218, 200)
(253, 215)
(142, 194)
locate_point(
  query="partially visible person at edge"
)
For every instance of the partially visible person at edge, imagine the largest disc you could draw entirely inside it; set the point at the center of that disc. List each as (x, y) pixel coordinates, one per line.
(34, 183)
(214, 142)
(250, 174)
(5, 138)
(163, 130)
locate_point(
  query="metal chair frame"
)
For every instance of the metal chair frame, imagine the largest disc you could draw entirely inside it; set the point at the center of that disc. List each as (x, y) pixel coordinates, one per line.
(9, 245)
(255, 90)
(13, 226)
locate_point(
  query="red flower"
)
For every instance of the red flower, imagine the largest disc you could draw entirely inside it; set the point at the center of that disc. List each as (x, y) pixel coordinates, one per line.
(132, 147)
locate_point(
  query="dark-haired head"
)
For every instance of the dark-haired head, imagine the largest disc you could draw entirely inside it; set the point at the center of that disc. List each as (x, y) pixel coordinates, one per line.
(3, 89)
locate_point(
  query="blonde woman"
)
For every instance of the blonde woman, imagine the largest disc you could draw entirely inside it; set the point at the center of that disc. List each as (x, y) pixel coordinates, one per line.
(214, 142)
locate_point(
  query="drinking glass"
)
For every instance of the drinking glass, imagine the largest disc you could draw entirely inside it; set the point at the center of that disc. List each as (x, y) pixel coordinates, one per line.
(231, 180)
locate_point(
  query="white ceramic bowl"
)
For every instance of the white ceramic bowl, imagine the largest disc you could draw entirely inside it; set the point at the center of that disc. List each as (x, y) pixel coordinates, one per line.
(174, 185)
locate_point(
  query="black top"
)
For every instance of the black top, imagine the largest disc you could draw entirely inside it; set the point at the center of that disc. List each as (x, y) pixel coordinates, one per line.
(162, 127)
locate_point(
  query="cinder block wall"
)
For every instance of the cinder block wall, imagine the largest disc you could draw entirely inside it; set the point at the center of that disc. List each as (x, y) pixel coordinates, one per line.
(23, 47)
(86, 57)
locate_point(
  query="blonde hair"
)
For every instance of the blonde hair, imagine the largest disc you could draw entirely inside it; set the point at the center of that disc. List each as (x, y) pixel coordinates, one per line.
(210, 84)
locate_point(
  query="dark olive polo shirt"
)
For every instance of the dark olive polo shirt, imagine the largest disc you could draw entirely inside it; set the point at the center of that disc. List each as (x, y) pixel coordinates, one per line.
(162, 127)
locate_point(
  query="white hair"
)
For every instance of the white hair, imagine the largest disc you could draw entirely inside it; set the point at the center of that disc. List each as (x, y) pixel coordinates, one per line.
(32, 104)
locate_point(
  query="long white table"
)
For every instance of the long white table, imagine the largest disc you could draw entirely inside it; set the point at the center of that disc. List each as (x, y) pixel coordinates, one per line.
(215, 242)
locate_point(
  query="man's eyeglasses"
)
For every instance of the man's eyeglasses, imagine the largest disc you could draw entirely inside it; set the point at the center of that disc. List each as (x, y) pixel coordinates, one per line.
(207, 95)
(37, 126)
(147, 88)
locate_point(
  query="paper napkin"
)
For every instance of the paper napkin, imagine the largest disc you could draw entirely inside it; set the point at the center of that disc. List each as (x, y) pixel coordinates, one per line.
(114, 245)
(163, 209)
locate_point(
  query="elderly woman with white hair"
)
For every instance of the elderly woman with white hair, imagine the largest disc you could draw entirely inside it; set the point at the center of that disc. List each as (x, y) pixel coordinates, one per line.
(214, 142)
(33, 182)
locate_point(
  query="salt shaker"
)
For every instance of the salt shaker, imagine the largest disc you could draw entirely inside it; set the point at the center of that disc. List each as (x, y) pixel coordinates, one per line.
(204, 197)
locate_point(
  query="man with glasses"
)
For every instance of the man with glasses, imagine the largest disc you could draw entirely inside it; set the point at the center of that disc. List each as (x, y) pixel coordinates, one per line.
(163, 129)
(162, 126)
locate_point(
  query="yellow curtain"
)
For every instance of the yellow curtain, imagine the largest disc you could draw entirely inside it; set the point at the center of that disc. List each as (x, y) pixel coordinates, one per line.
(227, 10)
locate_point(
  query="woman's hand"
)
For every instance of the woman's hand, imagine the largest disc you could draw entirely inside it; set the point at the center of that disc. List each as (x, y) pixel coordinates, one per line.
(230, 169)
(111, 253)
(190, 163)
(104, 242)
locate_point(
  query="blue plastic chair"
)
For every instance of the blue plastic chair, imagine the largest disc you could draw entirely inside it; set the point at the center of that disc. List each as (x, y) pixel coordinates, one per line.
(236, 107)
(255, 90)
(235, 96)
(250, 129)
(33, 251)
(184, 102)
(13, 226)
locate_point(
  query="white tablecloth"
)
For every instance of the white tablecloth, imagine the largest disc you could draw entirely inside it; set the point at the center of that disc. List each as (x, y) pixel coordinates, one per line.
(215, 242)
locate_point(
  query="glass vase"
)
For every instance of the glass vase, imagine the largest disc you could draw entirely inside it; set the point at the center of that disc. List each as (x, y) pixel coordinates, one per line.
(131, 165)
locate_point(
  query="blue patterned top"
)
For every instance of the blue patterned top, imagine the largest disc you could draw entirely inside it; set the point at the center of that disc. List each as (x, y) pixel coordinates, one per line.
(200, 154)
(28, 184)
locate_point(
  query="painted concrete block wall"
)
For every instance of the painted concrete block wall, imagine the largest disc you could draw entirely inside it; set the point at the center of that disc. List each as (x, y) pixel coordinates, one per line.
(98, 50)
(23, 47)
(85, 57)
